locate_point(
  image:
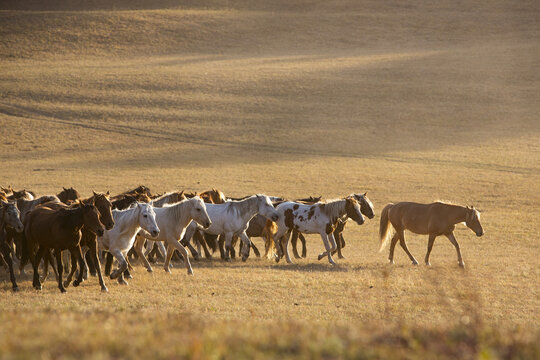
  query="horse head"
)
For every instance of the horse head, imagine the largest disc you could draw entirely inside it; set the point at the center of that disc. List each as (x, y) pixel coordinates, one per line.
(472, 220)
(12, 216)
(266, 208)
(147, 218)
(199, 213)
(353, 210)
(366, 206)
(91, 218)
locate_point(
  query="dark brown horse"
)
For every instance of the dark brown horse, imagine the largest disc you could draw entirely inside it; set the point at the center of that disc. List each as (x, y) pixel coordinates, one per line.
(67, 195)
(89, 238)
(9, 217)
(47, 229)
(433, 219)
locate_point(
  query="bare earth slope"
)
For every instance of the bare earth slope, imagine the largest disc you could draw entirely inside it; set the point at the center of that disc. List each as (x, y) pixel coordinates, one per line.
(410, 101)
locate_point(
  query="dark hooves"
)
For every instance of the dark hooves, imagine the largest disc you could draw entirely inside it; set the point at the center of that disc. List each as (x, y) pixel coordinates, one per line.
(76, 283)
(15, 288)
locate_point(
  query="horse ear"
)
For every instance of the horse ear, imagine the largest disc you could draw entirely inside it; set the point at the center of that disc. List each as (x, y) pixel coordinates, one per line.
(64, 188)
(94, 192)
(365, 193)
(108, 193)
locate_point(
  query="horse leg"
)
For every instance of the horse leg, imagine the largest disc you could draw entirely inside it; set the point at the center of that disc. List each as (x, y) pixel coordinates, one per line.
(333, 246)
(277, 243)
(393, 243)
(285, 243)
(35, 260)
(221, 245)
(127, 274)
(294, 242)
(108, 263)
(93, 251)
(139, 242)
(429, 247)
(247, 245)
(453, 240)
(176, 244)
(122, 263)
(228, 241)
(404, 246)
(255, 250)
(73, 267)
(303, 240)
(89, 257)
(328, 251)
(202, 242)
(60, 266)
(168, 257)
(6, 252)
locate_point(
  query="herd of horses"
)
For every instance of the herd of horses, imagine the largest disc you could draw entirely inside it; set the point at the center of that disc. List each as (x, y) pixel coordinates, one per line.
(139, 224)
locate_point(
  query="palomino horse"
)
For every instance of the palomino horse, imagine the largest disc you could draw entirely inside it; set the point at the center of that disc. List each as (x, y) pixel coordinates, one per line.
(119, 240)
(320, 218)
(9, 217)
(427, 219)
(47, 229)
(232, 217)
(172, 221)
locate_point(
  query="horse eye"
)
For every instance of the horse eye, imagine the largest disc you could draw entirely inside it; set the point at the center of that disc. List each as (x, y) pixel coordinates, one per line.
(199, 210)
(145, 215)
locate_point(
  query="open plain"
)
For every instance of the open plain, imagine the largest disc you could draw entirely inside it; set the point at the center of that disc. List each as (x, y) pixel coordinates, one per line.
(409, 101)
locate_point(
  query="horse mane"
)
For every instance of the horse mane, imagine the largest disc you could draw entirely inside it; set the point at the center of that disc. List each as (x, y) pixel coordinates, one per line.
(333, 208)
(70, 217)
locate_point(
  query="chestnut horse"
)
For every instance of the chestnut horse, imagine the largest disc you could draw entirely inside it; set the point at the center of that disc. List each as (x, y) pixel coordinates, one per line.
(46, 229)
(426, 219)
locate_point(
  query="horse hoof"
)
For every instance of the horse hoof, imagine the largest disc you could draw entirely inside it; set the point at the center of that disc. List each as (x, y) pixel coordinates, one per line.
(92, 274)
(104, 289)
(462, 265)
(128, 276)
(15, 288)
(415, 262)
(150, 270)
(122, 282)
(320, 257)
(190, 272)
(76, 283)
(66, 283)
(228, 259)
(168, 271)
(244, 258)
(428, 264)
(341, 257)
(62, 290)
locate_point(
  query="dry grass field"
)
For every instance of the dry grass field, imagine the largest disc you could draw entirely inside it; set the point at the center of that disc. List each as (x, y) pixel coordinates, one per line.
(418, 101)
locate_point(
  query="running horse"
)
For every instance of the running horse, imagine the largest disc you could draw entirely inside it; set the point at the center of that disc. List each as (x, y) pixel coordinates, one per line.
(433, 219)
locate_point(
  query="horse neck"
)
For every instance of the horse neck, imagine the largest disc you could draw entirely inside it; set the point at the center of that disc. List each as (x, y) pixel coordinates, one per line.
(457, 213)
(75, 218)
(249, 207)
(335, 209)
(182, 212)
(127, 220)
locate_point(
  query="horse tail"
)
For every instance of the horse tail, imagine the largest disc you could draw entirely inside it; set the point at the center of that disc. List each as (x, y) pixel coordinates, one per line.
(268, 233)
(385, 232)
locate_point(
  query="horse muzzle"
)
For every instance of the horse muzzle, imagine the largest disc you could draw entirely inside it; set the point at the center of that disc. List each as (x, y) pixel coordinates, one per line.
(154, 233)
(19, 228)
(110, 225)
(100, 232)
(479, 233)
(207, 224)
(275, 217)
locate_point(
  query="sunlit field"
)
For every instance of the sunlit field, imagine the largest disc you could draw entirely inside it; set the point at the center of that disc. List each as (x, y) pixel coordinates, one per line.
(420, 101)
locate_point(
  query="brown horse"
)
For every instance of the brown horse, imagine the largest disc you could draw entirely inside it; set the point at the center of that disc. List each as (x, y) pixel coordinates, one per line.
(46, 229)
(141, 189)
(9, 217)
(427, 219)
(89, 238)
(67, 195)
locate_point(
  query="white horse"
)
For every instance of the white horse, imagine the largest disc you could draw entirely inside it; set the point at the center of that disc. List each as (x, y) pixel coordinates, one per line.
(121, 237)
(172, 221)
(320, 218)
(232, 218)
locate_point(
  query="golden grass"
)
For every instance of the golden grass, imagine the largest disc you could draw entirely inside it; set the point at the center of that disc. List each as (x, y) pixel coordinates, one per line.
(415, 102)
